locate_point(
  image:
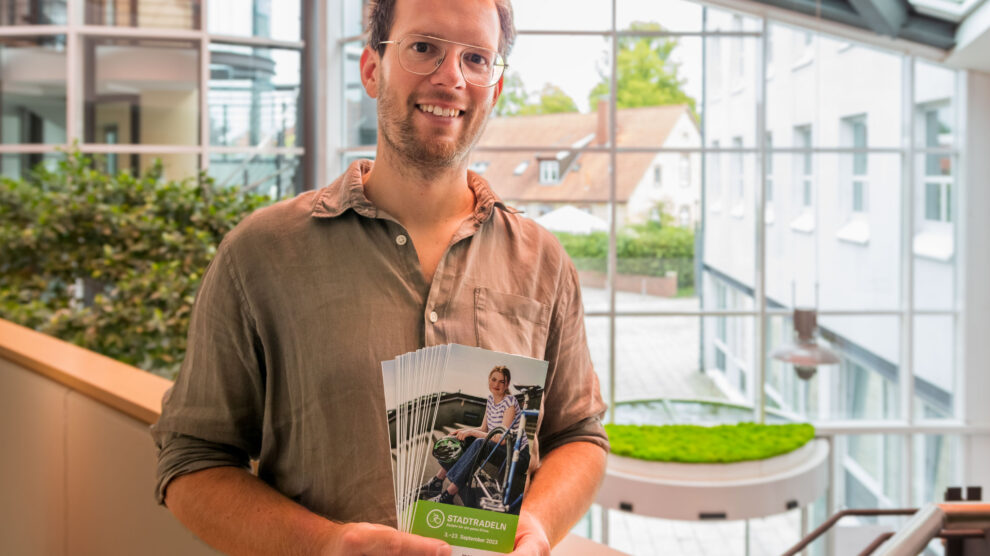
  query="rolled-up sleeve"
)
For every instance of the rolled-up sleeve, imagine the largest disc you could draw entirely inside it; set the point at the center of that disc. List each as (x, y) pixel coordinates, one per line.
(212, 415)
(573, 402)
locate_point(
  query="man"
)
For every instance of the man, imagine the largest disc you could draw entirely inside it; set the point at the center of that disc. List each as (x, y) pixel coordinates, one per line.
(305, 298)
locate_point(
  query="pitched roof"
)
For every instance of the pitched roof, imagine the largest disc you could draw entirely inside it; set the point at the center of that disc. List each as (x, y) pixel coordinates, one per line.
(585, 178)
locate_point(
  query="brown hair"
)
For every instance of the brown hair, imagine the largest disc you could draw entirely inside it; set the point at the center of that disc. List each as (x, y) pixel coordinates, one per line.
(381, 14)
(505, 373)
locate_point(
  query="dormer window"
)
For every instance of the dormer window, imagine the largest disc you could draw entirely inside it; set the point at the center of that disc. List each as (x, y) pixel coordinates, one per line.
(549, 171)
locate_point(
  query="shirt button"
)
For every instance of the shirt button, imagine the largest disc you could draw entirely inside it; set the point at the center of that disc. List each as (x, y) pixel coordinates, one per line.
(433, 316)
(401, 239)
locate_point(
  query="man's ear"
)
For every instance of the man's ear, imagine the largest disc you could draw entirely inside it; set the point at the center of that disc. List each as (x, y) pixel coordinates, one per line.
(370, 60)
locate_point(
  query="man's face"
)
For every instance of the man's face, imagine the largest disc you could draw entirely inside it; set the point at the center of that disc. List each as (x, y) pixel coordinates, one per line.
(418, 136)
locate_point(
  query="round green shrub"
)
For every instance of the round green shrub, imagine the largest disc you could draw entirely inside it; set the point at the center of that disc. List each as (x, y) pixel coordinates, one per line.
(699, 444)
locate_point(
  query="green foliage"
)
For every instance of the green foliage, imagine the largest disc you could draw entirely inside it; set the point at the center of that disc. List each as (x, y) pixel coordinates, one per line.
(553, 100)
(698, 444)
(514, 100)
(138, 244)
(650, 249)
(513, 96)
(645, 73)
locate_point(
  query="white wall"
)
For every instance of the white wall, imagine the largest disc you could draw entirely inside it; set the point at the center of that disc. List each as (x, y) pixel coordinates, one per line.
(77, 477)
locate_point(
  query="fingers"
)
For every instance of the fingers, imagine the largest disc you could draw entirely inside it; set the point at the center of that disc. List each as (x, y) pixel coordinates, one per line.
(371, 539)
(531, 546)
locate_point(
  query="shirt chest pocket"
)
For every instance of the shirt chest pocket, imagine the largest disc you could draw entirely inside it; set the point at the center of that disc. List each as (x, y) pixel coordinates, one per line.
(510, 323)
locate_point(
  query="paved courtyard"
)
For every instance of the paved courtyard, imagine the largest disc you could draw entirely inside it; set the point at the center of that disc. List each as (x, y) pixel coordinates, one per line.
(658, 357)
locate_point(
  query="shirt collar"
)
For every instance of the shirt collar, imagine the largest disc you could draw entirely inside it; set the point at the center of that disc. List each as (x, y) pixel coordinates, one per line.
(347, 192)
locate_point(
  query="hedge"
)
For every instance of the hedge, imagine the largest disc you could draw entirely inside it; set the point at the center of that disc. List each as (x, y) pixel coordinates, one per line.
(648, 249)
(111, 262)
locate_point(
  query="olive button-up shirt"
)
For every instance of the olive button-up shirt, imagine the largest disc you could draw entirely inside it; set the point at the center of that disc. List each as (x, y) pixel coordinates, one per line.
(307, 297)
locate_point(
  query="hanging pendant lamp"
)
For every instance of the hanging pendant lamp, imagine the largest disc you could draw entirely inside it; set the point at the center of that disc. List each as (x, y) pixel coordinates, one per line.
(804, 352)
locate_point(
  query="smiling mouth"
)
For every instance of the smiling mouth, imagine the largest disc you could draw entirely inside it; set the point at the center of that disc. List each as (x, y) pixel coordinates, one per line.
(440, 111)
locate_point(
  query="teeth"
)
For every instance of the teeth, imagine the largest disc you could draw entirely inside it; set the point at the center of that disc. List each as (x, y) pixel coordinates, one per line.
(439, 111)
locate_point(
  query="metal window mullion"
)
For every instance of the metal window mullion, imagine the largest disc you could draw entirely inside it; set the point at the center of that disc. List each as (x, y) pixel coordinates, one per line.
(756, 313)
(958, 223)
(138, 148)
(260, 42)
(635, 33)
(907, 273)
(759, 194)
(698, 150)
(204, 87)
(140, 33)
(35, 30)
(74, 96)
(612, 269)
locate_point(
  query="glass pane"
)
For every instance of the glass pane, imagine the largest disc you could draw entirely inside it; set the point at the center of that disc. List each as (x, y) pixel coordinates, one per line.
(934, 366)
(352, 22)
(359, 110)
(143, 92)
(822, 82)
(174, 166)
(937, 465)
(833, 236)
(536, 83)
(256, 18)
(19, 166)
(596, 329)
(659, 92)
(32, 74)
(659, 227)
(588, 15)
(862, 386)
(871, 472)
(934, 97)
(43, 12)
(934, 233)
(731, 91)
(691, 358)
(274, 175)
(668, 15)
(160, 14)
(567, 193)
(254, 96)
(729, 243)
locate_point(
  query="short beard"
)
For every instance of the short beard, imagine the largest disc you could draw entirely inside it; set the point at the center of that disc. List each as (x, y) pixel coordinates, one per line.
(426, 158)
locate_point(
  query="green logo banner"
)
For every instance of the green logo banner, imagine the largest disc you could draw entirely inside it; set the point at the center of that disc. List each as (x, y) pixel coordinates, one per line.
(467, 527)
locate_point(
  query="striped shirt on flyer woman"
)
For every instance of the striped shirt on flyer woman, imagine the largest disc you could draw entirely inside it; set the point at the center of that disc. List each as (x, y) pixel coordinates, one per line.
(496, 412)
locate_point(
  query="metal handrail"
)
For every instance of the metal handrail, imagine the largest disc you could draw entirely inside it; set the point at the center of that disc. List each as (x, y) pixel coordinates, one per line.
(947, 521)
(821, 529)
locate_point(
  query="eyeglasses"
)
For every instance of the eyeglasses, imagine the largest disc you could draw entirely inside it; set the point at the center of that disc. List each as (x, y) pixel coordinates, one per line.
(423, 54)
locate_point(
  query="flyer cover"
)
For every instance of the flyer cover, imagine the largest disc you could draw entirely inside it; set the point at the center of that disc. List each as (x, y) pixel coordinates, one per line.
(462, 422)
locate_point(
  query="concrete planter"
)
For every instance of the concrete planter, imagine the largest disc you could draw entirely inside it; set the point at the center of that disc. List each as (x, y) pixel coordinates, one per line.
(730, 491)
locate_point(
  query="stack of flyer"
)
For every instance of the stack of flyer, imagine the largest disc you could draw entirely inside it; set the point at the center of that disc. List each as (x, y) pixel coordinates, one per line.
(461, 425)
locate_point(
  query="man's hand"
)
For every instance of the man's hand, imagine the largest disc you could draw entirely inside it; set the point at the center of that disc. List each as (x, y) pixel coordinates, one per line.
(358, 539)
(531, 539)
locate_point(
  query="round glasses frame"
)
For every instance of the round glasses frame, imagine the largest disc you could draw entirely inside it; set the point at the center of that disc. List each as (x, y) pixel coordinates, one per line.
(498, 67)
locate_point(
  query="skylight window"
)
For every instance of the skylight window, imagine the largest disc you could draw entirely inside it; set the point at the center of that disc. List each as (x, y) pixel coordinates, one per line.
(521, 167)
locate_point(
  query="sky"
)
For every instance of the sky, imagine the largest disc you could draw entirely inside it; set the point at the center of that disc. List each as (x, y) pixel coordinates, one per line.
(573, 63)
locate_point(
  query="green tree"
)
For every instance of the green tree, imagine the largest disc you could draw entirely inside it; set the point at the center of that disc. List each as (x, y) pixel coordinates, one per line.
(553, 100)
(515, 101)
(645, 73)
(513, 96)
